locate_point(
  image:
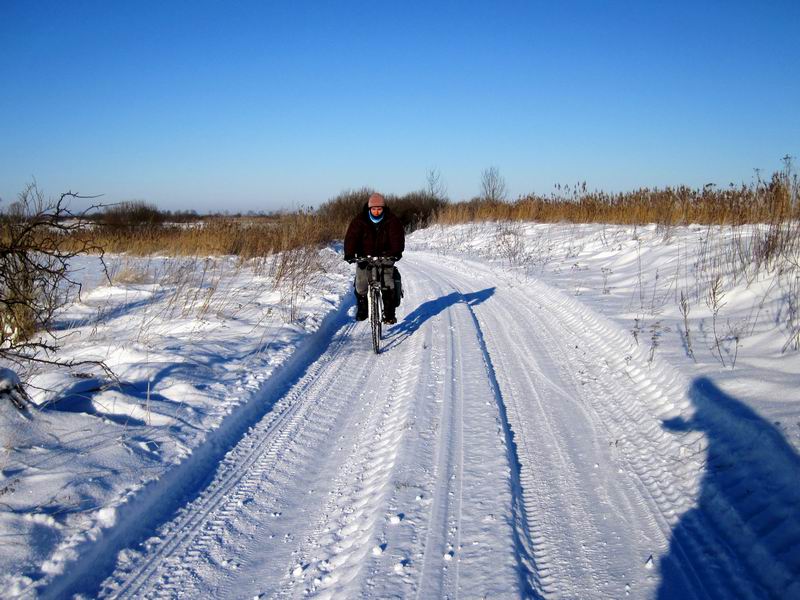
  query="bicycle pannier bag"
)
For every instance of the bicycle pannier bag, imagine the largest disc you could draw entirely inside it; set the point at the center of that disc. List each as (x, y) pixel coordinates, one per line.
(398, 287)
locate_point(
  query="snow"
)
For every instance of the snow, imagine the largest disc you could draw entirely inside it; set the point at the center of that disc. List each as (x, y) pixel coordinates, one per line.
(542, 422)
(634, 275)
(8, 379)
(11, 389)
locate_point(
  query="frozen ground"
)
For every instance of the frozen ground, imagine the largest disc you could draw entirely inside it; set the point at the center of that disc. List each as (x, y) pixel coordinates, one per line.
(542, 423)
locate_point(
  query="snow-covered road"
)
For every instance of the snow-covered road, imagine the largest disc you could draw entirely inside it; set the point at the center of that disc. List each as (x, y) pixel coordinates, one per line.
(508, 442)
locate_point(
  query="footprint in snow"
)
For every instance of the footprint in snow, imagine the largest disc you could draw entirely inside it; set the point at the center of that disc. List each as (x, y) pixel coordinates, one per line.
(395, 519)
(378, 550)
(402, 565)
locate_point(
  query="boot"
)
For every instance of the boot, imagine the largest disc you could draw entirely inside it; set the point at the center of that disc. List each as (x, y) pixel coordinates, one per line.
(361, 307)
(389, 307)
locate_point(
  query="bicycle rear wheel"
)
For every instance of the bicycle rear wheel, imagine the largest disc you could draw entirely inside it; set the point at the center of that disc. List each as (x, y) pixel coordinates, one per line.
(375, 316)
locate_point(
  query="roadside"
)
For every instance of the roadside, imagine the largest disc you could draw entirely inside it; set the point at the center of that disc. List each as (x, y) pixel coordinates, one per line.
(192, 341)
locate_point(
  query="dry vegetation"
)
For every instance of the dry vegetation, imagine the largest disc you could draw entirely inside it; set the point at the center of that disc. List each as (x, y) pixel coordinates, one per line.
(38, 239)
(761, 202)
(752, 236)
(37, 242)
(139, 229)
(210, 236)
(763, 217)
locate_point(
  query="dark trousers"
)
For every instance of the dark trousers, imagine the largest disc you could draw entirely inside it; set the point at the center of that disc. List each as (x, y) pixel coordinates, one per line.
(387, 292)
(362, 280)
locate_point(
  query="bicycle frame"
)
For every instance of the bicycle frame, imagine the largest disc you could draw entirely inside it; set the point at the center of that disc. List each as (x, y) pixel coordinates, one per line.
(376, 265)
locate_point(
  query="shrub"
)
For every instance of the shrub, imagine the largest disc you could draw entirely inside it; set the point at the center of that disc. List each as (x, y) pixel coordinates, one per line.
(343, 207)
(130, 214)
(38, 238)
(415, 209)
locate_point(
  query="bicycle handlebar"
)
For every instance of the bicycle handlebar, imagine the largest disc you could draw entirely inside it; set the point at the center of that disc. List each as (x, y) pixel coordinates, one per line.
(375, 260)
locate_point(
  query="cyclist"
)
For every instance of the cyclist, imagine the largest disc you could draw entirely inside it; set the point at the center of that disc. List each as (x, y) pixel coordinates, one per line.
(375, 231)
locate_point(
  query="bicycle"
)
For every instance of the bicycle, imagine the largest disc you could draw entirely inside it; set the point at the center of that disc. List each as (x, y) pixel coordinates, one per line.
(376, 265)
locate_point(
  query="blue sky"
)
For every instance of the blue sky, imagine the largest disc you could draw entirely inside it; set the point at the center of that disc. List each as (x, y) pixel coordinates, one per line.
(212, 105)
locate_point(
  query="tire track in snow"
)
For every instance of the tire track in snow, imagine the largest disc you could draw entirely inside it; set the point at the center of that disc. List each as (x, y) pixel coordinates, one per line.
(733, 536)
(166, 567)
(469, 544)
(535, 522)
(413, 555)
(442, 533)
(637, 401)
(553, 384)
(632, 399)
(530, 584)
(453, 480)
(626, 504)
(507, 469)
(335, 551)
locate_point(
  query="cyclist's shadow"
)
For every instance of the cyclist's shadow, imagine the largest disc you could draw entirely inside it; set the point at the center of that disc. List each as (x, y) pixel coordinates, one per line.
(414, 320)
(748, 507)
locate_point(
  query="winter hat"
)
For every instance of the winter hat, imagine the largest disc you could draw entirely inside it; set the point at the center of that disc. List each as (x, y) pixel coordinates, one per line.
(376, 200)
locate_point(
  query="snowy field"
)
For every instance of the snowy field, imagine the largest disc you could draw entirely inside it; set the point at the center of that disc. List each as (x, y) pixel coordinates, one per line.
(547, 420)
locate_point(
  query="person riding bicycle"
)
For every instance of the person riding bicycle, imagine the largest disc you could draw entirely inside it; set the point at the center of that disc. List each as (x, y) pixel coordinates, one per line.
(375, 231)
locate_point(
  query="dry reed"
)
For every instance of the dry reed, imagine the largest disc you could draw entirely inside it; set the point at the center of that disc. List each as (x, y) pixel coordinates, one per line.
(243, 237)
(761, 202)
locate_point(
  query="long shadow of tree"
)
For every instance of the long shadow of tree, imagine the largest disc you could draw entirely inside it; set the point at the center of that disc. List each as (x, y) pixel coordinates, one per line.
(742, 540)
(414, 320)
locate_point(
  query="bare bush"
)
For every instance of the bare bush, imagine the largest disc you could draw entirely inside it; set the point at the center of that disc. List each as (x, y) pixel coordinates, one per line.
(133, 213)
(38, 239)
(295, 272)
(493, 185)
(436, 187)
(415, 209)
(715, 300)
(510, 243)
(685, 308)
(344, 206)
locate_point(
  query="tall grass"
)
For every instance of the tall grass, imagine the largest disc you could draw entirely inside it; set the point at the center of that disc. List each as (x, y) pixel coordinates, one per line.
(759, 202)
(764, 217)
(139, 229)
(244, 237)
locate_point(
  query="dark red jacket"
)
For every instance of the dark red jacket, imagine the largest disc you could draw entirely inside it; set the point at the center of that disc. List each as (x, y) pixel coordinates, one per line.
(365, 238)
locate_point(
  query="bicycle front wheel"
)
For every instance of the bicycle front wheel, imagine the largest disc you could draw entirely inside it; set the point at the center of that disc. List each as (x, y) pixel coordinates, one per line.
(375, 314)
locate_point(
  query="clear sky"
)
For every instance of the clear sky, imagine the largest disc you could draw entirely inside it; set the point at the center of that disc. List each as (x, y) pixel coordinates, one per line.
(261, 105)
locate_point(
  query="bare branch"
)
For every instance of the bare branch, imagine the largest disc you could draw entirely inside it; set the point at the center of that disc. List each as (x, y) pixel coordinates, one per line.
(38, 240)
(493, 185)
(436, 186)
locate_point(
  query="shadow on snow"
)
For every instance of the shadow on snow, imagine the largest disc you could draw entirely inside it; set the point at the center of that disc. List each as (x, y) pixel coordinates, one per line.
(414, 320)
(745, 529)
